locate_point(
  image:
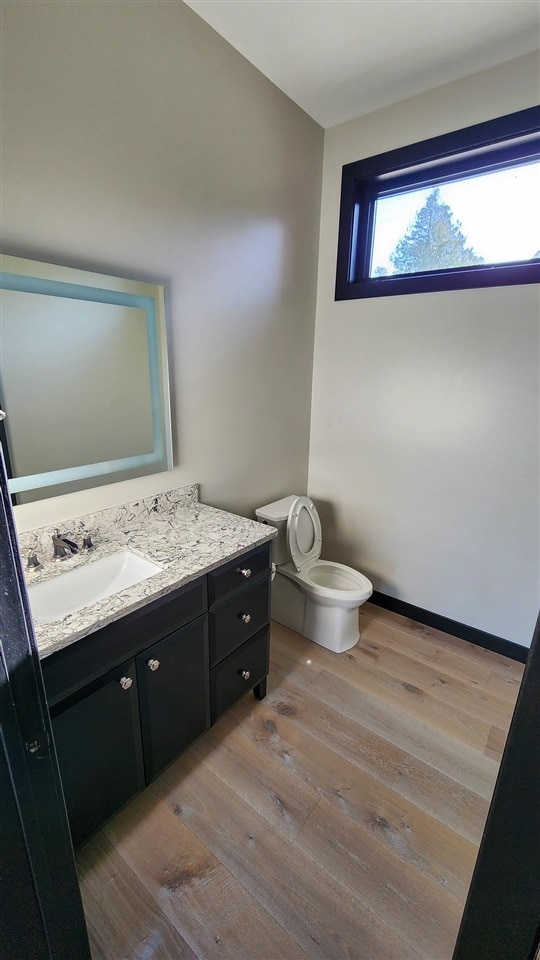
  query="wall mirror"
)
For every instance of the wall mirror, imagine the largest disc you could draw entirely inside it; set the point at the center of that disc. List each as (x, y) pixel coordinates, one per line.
(83, 379)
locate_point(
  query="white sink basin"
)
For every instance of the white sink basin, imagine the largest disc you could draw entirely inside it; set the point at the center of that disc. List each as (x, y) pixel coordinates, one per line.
(70, 591)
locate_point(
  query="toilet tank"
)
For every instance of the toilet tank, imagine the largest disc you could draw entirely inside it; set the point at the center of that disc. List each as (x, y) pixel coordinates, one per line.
(276, 515)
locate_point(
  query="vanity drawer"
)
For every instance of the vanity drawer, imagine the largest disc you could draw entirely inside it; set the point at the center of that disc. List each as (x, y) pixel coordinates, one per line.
(234, 622)
(238, 573)
(240, 672)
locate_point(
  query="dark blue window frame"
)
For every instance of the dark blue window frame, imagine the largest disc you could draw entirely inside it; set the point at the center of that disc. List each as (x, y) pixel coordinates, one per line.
(492, 145)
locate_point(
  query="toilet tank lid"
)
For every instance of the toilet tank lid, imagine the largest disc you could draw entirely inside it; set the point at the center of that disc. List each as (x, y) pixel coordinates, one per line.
(278, 510)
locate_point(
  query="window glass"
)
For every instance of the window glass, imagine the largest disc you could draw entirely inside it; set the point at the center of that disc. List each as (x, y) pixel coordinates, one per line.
(489, 218)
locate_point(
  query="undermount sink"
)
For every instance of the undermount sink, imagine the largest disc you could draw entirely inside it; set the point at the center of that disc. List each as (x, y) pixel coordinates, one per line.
(71, 591)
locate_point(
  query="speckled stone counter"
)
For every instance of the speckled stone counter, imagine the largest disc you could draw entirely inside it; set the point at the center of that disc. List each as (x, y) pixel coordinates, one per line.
(185, 537)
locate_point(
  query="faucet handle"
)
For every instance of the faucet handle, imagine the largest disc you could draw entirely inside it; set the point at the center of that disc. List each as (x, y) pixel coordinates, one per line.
(87, 544)
(32, 562)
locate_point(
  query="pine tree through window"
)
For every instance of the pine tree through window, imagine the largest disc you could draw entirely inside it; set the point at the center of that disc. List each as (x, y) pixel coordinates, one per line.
(434, 240)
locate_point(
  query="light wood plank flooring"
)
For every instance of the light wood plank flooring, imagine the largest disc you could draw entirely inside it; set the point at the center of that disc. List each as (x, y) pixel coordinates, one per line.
(339, 819)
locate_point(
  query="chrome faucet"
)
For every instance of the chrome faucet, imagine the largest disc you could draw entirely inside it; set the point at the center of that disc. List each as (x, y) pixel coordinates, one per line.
(62, 546)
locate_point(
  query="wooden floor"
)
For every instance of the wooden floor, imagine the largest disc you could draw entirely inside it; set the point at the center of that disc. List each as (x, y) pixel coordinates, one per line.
(339, 818)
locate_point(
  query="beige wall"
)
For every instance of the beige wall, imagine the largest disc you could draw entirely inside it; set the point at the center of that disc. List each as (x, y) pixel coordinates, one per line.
(425, 415)
(137, 142)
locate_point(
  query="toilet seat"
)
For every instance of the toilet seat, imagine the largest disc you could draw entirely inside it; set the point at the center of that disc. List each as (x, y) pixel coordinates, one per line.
(304, 533)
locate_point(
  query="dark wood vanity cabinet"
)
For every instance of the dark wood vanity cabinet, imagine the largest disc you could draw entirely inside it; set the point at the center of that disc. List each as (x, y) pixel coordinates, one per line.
(128, 699)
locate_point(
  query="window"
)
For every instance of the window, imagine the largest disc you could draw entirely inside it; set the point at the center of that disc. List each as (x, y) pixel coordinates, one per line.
(457, 211)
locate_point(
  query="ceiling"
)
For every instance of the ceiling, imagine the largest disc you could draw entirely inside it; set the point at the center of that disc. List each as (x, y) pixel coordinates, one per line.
(339, 59)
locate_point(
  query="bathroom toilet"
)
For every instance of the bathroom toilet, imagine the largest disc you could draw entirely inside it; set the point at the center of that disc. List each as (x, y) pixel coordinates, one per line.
(315, 597)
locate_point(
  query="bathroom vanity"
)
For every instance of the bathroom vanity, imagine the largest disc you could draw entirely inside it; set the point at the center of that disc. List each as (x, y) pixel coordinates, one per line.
(133, 680)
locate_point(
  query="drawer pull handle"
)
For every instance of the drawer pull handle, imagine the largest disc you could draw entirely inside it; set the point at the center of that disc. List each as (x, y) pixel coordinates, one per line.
(245, 674)
(125, 682)
(246, 617)
(245, 571)
(153, 664)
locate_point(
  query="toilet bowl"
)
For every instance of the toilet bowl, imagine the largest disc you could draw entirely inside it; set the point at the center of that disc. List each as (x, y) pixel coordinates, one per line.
(318, 598)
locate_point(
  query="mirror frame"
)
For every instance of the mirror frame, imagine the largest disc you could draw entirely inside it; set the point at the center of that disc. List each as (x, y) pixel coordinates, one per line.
(31, 276)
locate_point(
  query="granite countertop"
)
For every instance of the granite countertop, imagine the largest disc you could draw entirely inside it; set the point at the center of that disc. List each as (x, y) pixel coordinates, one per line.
(185, 537)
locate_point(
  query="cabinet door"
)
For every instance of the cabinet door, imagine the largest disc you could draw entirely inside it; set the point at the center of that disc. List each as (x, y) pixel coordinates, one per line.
(174, 694)
(98, 742)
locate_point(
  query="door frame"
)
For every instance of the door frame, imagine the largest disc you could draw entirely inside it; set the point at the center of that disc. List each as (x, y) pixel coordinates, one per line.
(40, 828)
(502, 913)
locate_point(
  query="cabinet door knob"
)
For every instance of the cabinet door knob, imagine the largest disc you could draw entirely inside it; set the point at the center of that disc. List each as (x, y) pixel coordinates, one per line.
(246, 617)
(245, 674)
(125, 682)
(245, 571)
(153, 664)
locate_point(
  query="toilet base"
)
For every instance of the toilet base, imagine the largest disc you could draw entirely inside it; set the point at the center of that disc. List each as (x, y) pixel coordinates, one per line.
(334, 628)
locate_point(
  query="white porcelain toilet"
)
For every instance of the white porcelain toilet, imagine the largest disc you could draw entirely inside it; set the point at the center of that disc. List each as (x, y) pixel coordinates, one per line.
(317, 598)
